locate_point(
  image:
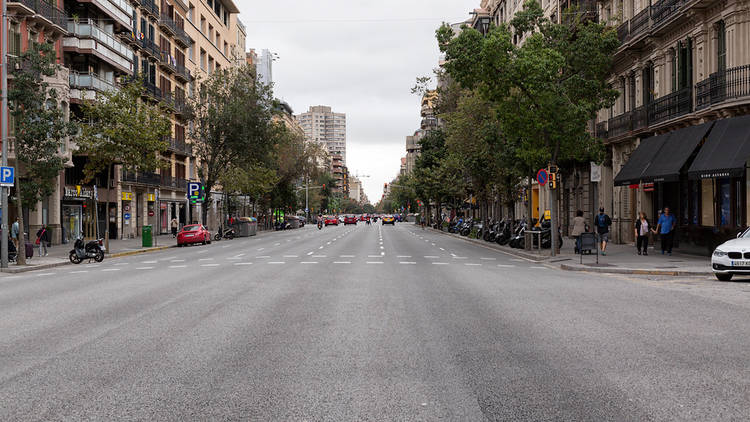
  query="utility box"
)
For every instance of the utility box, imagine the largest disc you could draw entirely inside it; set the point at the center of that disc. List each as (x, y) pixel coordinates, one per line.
(147, 237)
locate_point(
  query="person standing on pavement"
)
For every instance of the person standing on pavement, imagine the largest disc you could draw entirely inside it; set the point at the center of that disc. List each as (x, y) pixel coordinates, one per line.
(665, 228)
(14, 233)
(579, 227)
(174, 224)
(602, 228)
(641, 233)
(42, 239)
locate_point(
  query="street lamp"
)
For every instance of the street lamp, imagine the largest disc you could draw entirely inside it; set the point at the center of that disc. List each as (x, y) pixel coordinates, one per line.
(484, 21)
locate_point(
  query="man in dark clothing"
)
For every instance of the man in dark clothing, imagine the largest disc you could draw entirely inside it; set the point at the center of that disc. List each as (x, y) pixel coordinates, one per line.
(43, 239)
(602, 223)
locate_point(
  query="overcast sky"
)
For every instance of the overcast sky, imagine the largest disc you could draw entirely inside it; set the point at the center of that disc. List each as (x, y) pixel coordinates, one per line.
(361, 58)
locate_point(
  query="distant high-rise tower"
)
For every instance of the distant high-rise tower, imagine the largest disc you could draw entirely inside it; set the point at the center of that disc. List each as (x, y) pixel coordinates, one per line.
(327, 128)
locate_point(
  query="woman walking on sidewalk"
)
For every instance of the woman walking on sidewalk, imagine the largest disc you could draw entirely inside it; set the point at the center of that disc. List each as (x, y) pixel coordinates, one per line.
(641, 233)
(42, 239)
(579, 227)
(174, 225)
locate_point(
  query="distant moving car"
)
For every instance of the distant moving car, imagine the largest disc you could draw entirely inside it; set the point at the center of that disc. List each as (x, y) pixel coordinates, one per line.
(193, 233)
(350, 219)
(389, 219)
(331, 221)
(732, 257)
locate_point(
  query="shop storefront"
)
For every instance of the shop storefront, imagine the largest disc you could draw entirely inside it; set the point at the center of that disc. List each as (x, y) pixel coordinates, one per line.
(77, 212)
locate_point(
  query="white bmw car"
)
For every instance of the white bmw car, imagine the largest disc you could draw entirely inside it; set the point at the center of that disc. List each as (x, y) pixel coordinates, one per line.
(732, 257)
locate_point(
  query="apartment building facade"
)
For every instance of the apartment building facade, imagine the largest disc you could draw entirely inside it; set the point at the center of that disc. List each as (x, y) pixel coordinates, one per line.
(324, 126)
(677, 136)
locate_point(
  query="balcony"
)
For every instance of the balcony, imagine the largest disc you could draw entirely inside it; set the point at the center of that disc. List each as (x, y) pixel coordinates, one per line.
(671, 106)
(149, 47)
(152, 91)
(179, 146)
(121, 10)
(664, 9)
(153, 179)
(600, 131)
(723, 86)
(84, 86)
(182, 73)
(42, 11)
(106, 46)
(167, 62)
(174, 182)
(149, 7)
(167, 24)
(180, 106)
(182, 38)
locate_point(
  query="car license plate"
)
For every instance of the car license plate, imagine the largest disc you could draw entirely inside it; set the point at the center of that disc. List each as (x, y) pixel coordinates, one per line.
(741, 263)
(189, 235)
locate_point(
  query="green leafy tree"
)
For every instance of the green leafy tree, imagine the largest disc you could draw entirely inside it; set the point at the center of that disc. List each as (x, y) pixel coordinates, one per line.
(232, 125)
(118, 127)
(41, 129)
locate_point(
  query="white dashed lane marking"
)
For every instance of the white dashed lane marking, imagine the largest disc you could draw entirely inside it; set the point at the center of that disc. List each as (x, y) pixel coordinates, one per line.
(407, 263)
(276, 262)
(209, 265)
(243, 263)
(110, 269)
(488, 259)
(439, 263)
(144, 268)
(374, 262)
(308, 262)
(506, 266)
(178, 266)
(342, 262)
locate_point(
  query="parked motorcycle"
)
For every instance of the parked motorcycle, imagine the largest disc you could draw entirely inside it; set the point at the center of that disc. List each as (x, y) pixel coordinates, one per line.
(505, 232)
(93, 249)
(227, 233)
(518, 240)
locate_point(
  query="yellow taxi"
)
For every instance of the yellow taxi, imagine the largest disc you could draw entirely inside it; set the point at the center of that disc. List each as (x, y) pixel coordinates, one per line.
(389, 219)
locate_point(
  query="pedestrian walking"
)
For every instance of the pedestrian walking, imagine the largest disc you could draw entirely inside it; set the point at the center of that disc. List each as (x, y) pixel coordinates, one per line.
(665, 228)
(602, 228)
(579, 227)
(174, 224)
(14, 233)
(641, 233)
(42, 239)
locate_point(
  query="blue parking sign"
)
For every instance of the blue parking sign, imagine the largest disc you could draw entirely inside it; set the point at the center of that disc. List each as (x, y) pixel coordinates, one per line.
(195, 190)
(7, 176)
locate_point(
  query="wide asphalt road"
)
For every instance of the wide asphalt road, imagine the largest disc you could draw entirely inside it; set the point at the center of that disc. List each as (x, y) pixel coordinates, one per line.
(366, 323)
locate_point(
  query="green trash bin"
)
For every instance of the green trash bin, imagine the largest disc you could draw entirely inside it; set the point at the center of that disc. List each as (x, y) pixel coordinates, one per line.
(147, 238)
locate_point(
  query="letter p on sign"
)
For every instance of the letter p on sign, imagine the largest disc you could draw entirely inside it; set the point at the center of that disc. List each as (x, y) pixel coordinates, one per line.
(6, 176)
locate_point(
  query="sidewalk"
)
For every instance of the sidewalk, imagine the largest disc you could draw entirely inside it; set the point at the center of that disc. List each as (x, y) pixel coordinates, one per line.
(620, 259)
(58, 254)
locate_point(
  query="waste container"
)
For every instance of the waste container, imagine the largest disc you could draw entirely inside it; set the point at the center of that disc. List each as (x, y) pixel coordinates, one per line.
(252, 225)
(293, 221)
(245, 226)
(147, 238)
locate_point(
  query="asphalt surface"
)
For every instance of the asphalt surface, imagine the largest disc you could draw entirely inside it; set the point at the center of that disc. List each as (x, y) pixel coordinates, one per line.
(367, 323)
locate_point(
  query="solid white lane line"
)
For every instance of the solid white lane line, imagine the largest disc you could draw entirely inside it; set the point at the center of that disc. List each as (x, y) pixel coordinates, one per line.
(342, 262)
(107, 269)
(178, 266)
(144, 268)
(209, 265)
(243, 263)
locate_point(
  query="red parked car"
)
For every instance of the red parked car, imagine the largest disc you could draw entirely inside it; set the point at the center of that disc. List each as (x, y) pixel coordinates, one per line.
(193, 233)
(350, 219)
(332, 220)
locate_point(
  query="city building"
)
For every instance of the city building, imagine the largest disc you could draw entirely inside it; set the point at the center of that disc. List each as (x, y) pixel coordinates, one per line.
(338, 171)
(40, 22)
(264, 67)
(327, 128)
(355, 189)
(677, 135)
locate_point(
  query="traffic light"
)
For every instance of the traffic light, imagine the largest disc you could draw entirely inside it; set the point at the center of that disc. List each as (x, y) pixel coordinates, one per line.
(553, 180)
(324, 185)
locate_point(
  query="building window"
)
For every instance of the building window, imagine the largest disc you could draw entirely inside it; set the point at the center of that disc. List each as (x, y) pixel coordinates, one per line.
(647, 83)
(191, 53)
(724, 201)
(685, 64)
(721, 48)
(203, 24)
(203, 59)
(211, 33)
(191, 12)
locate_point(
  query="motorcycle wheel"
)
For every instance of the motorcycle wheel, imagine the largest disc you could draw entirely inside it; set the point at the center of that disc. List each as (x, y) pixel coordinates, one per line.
(99, 257)
(74, 258)
(229, 236)
(486, 236)
(217, 237)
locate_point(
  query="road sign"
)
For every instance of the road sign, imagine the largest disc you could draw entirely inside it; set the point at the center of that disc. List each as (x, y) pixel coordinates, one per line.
(542, 177)
(6, 176)
(127, 216)
(195, 190)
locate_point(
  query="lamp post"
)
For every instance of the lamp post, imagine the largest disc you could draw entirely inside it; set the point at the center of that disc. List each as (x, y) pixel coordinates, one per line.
(484, 21)
(4, 124)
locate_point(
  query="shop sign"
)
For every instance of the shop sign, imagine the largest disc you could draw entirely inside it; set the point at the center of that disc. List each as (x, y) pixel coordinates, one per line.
(596, 172)
(163, 206)
(150, 197)
(78, 193)
(715, 175)
(648, 187)
(127, 196)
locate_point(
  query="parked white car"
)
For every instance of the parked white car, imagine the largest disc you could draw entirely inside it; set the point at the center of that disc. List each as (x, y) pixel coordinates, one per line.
(732, 257)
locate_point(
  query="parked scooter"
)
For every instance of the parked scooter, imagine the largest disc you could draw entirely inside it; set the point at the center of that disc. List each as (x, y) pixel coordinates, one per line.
(505, 232)
(94, 249)
(227, 233)
(518, 240)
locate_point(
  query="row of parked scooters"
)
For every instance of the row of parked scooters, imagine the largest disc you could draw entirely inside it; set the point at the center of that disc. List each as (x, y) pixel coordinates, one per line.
(504, 232)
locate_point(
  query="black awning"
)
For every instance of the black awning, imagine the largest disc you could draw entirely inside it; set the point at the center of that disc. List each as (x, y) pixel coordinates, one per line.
(675, 153)
(640, 160)
(725, 152)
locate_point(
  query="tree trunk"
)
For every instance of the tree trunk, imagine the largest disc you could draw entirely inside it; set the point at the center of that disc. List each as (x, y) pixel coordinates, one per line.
(106, 210)
(530, 201)
(21, 257)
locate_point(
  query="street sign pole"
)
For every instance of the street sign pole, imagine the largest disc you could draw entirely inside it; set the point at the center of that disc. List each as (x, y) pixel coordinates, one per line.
(4, 135)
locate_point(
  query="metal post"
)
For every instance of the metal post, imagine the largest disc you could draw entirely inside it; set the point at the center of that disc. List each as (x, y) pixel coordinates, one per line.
(4, 124)
(157, 210)
(307, 205)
